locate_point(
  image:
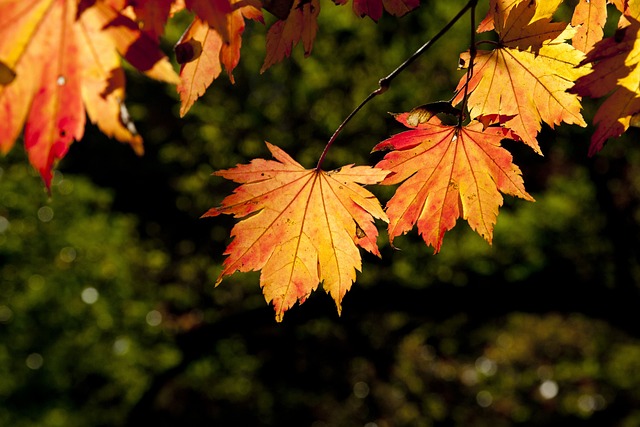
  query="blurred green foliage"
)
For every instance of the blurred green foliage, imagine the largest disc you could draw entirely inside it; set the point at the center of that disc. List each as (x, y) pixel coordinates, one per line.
(109, 317)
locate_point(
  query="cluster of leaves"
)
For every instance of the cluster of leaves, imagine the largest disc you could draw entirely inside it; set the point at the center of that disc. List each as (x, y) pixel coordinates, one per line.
(60, 60)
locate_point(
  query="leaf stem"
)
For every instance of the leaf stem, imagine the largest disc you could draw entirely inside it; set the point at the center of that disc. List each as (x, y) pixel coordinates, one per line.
(472, 58)
(385, 82)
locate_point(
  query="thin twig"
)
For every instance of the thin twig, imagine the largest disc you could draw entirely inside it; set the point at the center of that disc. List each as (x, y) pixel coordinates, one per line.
(472, 59)
(385, 82)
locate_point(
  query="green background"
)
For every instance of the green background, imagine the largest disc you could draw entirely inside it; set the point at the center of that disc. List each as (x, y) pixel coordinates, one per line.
(109, 315)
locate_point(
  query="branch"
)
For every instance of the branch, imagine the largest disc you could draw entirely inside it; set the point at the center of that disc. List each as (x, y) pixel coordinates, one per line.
(385, 82)
(472, 59)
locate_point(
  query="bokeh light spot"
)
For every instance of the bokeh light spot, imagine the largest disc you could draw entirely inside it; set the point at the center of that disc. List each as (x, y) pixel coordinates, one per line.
(154, 318)
(486, 366)
(361, 389)
(89, 295)
(5, 314)
(36, 282)
(469, 377)
(4, 224)
(484, 398)
(67, 254)
(45, 214)
(548, 389)
(34, 361)
(121, 346)
(589, 402)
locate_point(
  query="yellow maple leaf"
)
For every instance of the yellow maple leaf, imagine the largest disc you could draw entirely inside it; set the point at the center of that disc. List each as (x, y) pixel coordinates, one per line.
(615, 74)
(300, 227)
(526, 76)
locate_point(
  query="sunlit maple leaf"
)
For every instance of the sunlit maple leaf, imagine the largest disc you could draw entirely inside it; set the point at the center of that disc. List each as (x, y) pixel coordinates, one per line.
(621, 5)
(448, 172)
(526, 76)
(216, 13)
(202, 52)
(152, 15)
(300, 25)
(589, 17)
(616, 74)
(64, 57)
(300, 227)
(500, 9)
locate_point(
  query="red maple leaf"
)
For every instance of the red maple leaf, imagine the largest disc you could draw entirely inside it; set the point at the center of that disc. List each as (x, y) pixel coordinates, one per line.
(64, 57)
(300, 26)
(447, 172)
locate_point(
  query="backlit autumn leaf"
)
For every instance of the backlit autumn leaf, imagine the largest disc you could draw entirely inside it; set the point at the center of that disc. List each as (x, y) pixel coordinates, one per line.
(374, 8)
(298, 22)
(589, 18)
(447, 172)
(202, 52)
(500, 9)
(300, 227)
(214, 12)
(615, 74)
(526, 76)
(300, 25)
(65, 59)
(152, 15)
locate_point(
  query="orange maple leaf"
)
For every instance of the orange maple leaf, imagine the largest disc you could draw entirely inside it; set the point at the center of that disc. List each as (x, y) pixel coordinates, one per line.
(64, 57)
(616, 74)
(589, 17)
(447, 172)
(300, 227)
(215, 13)
(526, 76)
(300, 25)
(202, 52)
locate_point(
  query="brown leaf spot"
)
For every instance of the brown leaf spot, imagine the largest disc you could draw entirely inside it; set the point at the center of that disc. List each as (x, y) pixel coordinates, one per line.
(6, 74)
(188, 51)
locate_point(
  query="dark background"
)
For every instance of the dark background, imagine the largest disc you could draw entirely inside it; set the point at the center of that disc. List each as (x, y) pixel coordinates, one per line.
(109, 316)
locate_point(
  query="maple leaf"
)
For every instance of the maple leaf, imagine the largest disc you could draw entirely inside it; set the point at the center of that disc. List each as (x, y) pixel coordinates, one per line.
(301, 24)
(616, 74)
(589, 17)
(300, 227)
(152, 15)
(216, 13)
(526, 76)
(374, 8)
(500, 9)
(202, 52)
(447, 172)
(64, 57)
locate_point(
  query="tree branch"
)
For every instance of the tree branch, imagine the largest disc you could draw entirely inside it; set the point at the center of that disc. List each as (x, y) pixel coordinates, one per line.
(385, 82)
